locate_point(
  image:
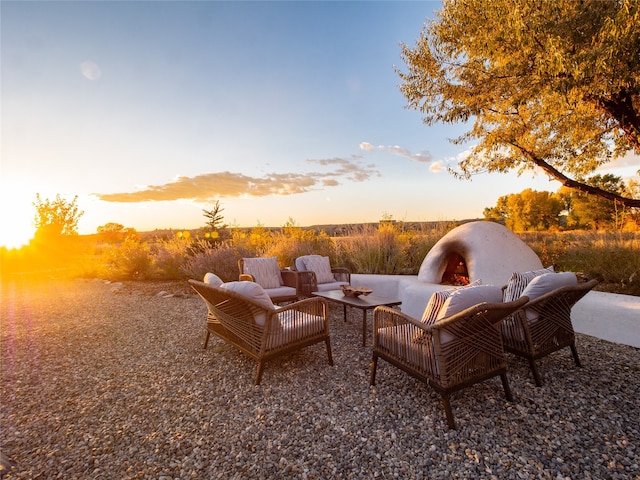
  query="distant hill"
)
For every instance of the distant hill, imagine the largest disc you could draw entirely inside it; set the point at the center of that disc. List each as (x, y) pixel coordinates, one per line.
(333, 230)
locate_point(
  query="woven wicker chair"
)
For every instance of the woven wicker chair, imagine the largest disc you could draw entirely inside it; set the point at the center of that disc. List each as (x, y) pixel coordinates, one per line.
(233, 318)
(308, 280)
(289, 292)
(544, 326)
(452, 354)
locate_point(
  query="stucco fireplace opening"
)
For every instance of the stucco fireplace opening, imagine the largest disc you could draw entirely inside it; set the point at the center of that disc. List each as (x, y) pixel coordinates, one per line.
(455, 272)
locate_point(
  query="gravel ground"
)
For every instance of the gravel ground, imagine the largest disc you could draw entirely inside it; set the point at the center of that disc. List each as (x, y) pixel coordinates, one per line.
(110, 381)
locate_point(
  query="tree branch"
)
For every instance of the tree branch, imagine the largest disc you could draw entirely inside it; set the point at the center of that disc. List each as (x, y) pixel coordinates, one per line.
(574, 184)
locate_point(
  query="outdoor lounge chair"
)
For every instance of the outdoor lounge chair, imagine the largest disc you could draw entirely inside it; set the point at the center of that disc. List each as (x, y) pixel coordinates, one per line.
(240, 313)
(317, 275)
(453, 353)
(544, 325)
(281, 285)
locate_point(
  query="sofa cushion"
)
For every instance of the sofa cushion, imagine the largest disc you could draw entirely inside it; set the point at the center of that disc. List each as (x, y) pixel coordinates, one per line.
(265, 271)
(468, 297)
(519, 281)
(252, 291)
(321, 267)
(544, 284)
(438, 299)
(212, 279)
(291, 325)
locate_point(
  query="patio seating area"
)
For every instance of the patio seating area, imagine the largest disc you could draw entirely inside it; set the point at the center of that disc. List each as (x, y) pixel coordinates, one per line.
(112, 380)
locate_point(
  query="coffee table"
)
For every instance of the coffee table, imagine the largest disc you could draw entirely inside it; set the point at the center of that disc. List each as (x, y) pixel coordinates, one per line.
(363, 303)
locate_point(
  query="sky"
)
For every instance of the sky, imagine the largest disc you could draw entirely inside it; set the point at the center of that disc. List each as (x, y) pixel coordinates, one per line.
(151, 111)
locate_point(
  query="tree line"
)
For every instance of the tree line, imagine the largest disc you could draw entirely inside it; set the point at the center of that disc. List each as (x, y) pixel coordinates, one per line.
(567, 209)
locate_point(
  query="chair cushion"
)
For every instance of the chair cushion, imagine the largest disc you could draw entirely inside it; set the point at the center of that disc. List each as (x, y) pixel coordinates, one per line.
(265, 271)
(519, 281)
(437, 301)
(255, 292)
(321, 267)
(544, 284)
(212, 279)
(287, 327)
(464, 298)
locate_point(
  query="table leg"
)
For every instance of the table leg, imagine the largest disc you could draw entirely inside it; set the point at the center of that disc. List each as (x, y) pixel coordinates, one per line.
(364, 327)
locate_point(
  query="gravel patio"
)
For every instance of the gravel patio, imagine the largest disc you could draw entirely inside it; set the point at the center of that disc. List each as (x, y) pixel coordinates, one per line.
(110, 381)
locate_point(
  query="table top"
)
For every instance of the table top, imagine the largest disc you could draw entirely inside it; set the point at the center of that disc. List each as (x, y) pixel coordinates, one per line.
(366, 302)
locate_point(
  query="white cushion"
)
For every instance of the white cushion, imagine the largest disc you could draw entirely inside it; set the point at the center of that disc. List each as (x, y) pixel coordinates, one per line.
(464, 298)
(255, 292)
(287, 327)
(544, 284)
(437, 301)
(213, 279)
(321, 267)
(283, 291)
(548, 282)
(519, 281)
(265, 271)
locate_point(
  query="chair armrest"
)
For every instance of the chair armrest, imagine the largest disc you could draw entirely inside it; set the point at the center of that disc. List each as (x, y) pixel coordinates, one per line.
(246, 277)
(290, 278)
(341, 274)
(307, 282)
(385, 318)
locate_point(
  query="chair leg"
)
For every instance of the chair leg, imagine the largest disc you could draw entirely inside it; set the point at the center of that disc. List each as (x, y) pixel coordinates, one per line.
(534, 370)
(206, 339)
(505, 385)
(259, 372)
(447, 409)
(576, 358)
(374, 366)
(328, 343)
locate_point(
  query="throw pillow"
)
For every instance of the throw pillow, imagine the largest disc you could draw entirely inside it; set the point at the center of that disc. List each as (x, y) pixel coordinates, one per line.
(321, 267)
(265, 271)
(519, 281)
(213, 279)
(255, 292)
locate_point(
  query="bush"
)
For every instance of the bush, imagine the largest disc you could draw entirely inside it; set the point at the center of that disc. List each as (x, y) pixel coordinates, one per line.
(129, 260)
(219, 258)
(169, 256)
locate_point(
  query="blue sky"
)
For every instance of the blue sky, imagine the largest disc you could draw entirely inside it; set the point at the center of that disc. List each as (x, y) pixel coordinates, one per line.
(151, 111)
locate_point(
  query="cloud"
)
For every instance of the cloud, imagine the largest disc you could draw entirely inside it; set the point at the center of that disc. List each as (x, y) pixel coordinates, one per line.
(366, 146)
(436, 167)
(421, 157)
(210, 186)
(90, 70)
(630, 159)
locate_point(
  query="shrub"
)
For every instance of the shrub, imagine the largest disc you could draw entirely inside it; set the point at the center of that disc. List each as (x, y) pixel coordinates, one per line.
(129, 260)
(169, 256)
(218, 258)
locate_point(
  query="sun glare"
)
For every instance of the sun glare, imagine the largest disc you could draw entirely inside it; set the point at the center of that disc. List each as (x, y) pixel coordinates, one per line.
(16, 222)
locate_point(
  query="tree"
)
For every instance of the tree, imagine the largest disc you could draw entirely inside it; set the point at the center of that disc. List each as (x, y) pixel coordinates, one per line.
(552, 84)
(586, 211)
(215, 221)
(528, 210)
(56, 218)
(115, 232)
